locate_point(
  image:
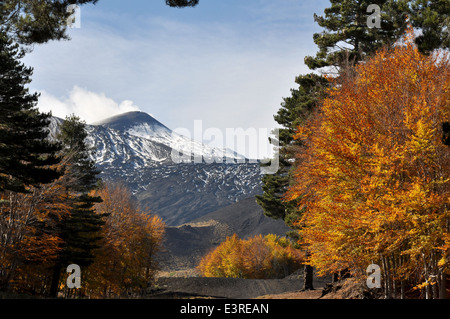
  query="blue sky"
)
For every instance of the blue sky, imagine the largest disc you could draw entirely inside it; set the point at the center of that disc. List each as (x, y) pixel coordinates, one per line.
(228, 63)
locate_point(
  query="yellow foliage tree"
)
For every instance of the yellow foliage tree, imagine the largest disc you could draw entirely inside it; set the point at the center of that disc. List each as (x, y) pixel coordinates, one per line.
(255, 258)
(29, 244)
(125, 264)
(373, 180)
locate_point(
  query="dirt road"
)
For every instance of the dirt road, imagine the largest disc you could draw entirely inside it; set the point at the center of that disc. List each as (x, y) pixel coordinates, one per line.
(231, 288)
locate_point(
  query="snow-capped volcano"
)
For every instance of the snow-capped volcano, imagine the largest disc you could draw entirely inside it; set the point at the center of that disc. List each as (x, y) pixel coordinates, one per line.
(136, 149)
(142, 125)
(145, 125)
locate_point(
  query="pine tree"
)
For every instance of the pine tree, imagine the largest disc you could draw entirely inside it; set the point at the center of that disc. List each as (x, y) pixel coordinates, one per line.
(295, 110)
(433, 18)
(182, 3)
(25, 151)
(29, 21)
(347, 36)
(80, 231)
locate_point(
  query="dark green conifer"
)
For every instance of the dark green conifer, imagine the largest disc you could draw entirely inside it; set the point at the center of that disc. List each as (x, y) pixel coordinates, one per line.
(30, 21)
(433, 18)
(182, 3)
(80, 230)
(295, 111)
(346, 35)
(25, 152)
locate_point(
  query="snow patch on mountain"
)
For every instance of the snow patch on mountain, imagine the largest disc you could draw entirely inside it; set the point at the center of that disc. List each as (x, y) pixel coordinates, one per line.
(142, 125)
(136, 149)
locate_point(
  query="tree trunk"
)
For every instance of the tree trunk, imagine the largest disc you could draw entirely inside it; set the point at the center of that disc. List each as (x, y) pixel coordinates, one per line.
(426, 274)
(54, 287)
(387, 284)
(402, 280)
(308, 275)
(443, 286)
(435, 289)
(335, 277)
(402, 290)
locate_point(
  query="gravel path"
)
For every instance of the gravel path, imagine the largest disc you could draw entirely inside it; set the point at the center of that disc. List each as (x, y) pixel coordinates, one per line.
(230, 288)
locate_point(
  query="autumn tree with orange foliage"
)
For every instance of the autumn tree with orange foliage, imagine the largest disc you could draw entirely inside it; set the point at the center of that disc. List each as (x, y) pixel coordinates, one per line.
(125, 264)
(30, 244)
(373, 180)
(30, 224)
(255, 258)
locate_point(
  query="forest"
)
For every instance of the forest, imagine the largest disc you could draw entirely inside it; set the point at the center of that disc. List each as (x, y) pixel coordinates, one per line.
(363, 178)
(364, 149)
(373, 180)
(369, 183)
(259, 257)
(54, 209)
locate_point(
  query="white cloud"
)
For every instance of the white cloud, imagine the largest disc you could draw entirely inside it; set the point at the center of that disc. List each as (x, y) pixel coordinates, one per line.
(89, 106)
(224, 73)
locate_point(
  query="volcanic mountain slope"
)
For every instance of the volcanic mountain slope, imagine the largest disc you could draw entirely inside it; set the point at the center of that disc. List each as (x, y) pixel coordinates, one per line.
(246, 219)
(144, 126)
(180, 193)
(137, 150)
(209, 201)
(185, 245)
